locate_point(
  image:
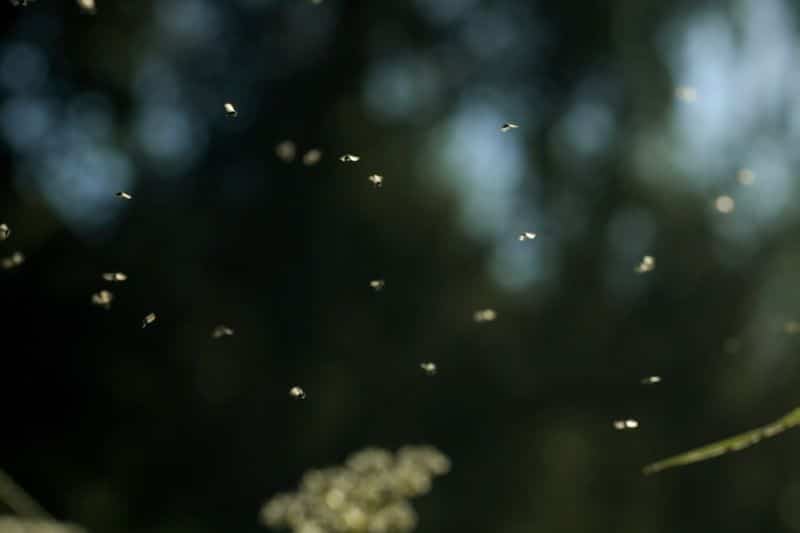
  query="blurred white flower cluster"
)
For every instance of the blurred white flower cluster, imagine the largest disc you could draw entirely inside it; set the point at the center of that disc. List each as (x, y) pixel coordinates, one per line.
(13, 524)
(370, 493)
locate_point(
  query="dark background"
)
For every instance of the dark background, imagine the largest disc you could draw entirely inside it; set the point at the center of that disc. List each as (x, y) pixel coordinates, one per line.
(124, 429)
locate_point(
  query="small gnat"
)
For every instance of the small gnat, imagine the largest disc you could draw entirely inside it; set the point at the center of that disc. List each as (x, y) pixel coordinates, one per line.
(629, 423)
(349, 158)
(12, 261)
(5, 232)
(87, 5)
(429, 368)
(115, 276)
(230, 110)
(527, 236)
(724, 204)
(286, 151)
(484, 315)
(297, 393)
(124, 195)
(647, 264)
(508, 126)
(312, 157)
(148, 319)
(103, 299)
(377, 284)
(376, 180)
(651, 380)
(686, 93)
(792, 327)
(221, 331)
(746, 176)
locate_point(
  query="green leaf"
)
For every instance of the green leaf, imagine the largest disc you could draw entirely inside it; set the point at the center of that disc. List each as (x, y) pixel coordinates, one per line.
(732, 444)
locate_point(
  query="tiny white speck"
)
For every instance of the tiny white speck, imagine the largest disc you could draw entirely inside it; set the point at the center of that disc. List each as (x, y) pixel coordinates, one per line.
(115, 276)
(429, 368)
(626, 424)
(724, 204)
(484, 315)
(12, 261)
(686, 93)
(88, 6)
(651, 380)
(286, 151)
(103, 299)
(148, 319)
(312, 157)
(221, 331)
(746, 176)
(647, 264)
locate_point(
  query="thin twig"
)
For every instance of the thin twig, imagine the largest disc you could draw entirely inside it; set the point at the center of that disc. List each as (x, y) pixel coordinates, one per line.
(18, 500)
(732, 444)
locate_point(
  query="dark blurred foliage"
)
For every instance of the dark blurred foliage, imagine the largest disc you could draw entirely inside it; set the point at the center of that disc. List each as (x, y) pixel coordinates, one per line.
(163, 429)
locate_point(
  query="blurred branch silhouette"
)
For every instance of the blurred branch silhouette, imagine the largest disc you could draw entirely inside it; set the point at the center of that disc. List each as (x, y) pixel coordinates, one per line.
(18, 500)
